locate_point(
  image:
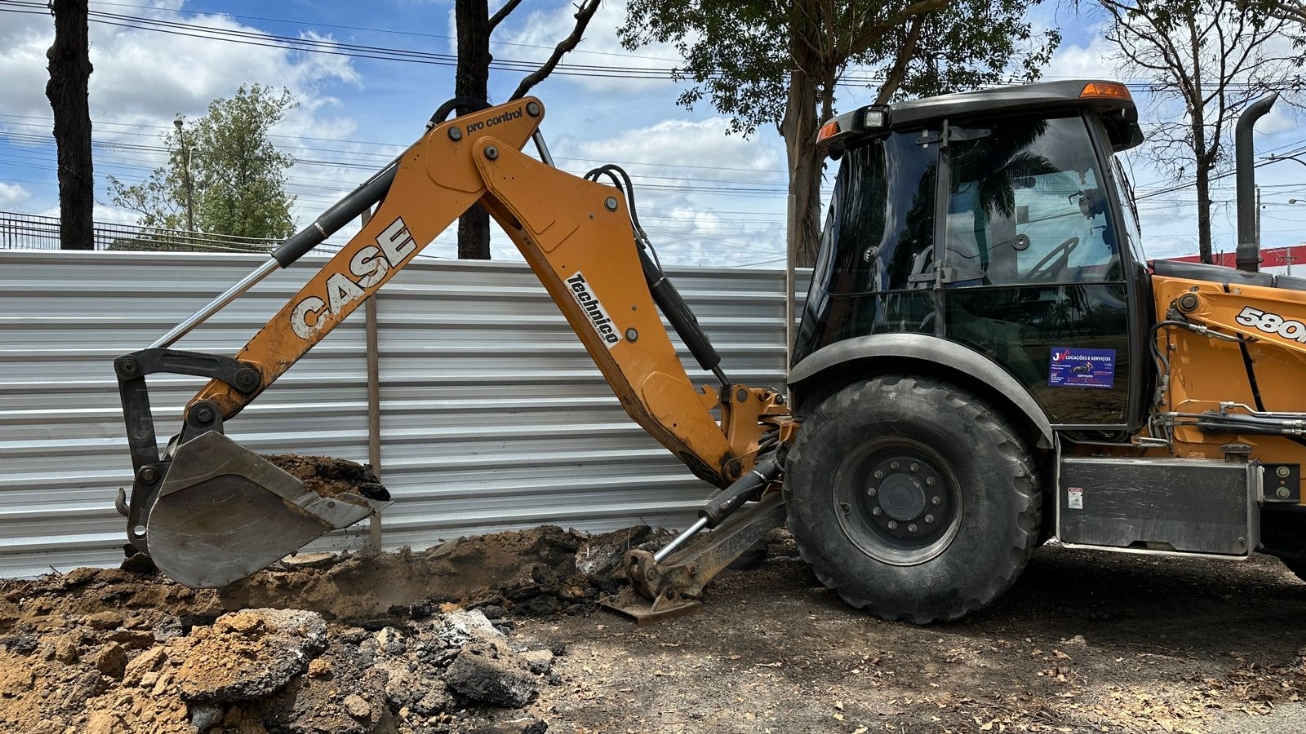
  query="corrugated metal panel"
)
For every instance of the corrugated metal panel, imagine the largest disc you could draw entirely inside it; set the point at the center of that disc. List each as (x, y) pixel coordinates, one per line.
(492, 415)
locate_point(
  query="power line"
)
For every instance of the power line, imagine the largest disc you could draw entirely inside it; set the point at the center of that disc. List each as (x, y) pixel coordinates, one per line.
(383, 53)
(389, 31)
(385, 158)
(330, 47)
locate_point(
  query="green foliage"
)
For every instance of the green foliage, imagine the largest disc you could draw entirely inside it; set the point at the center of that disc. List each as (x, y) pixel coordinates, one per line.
(736, 53)
(236, 175)
(739, 54)
(769, 62)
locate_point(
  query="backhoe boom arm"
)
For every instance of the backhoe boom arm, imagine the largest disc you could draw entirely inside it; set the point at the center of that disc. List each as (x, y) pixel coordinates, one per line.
(209, 498)
(574, 233)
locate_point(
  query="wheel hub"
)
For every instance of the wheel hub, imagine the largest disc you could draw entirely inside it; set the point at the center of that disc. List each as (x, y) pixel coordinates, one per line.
(902, 497)
(902, 505)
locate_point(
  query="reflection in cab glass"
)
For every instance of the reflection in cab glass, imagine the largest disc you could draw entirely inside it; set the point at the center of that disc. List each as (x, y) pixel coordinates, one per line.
(1027, 206)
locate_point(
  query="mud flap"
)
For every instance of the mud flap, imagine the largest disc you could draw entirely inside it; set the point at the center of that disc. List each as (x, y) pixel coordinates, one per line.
(224, 512)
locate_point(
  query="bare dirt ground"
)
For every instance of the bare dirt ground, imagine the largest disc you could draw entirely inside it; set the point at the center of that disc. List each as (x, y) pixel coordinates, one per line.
(1084, 642)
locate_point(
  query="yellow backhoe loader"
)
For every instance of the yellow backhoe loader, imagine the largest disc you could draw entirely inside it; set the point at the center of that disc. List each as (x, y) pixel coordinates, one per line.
(985, 361)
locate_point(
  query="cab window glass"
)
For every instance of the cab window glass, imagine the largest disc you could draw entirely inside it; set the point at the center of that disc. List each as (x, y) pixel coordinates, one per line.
(1027, 205)
(881, 224)
(1130, 207)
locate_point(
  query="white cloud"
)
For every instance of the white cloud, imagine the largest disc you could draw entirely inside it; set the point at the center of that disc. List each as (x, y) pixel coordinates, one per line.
(1095, 60)
(12, 195)
(142, 79)
(149, 76)
(672, 145)
(705, 197)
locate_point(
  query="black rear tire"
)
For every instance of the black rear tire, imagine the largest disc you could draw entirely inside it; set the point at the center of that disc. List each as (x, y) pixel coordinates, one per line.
(912, 498)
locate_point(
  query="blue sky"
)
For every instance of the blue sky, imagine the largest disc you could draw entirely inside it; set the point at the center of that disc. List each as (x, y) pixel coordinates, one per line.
(706, 197)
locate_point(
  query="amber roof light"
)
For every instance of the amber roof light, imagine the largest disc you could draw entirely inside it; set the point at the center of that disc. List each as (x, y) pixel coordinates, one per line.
(828, 130)
(1105, 90)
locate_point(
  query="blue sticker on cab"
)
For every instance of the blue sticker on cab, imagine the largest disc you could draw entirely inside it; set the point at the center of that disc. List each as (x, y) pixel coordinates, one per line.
(1072, 367)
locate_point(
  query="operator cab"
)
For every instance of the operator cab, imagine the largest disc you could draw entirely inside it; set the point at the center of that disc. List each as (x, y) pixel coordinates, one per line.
(993, 219)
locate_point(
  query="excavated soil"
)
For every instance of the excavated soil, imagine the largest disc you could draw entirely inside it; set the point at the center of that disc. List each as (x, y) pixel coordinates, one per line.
(502, 634)
(323, 643)
(330, 477)
(532, 571)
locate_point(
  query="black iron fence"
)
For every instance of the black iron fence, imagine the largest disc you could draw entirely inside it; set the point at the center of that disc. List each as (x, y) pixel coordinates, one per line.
(35, 232)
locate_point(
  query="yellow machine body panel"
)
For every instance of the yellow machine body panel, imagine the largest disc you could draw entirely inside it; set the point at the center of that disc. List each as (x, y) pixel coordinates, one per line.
(1262, 368)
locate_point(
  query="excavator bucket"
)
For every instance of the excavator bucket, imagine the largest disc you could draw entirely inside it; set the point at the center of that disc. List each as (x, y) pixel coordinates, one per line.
(224, 512)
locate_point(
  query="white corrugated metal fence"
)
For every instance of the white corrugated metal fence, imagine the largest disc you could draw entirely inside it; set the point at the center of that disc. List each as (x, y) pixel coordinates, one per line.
(492, 414)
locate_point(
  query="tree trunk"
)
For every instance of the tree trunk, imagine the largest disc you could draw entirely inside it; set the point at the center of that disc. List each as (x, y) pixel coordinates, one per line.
(1203, 164)
(799, 128)
(472, 79)
(70, 71)
(1204, 211)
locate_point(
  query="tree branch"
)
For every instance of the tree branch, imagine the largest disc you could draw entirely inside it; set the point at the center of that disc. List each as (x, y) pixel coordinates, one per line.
(872, 34)
(583, 15)
(899, 70)
(502, 13)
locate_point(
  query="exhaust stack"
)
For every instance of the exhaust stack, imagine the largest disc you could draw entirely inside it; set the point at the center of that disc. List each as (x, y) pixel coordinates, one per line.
(1248, 254)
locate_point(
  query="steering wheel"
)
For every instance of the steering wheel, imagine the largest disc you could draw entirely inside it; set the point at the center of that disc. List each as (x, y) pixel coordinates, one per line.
(1060, 253)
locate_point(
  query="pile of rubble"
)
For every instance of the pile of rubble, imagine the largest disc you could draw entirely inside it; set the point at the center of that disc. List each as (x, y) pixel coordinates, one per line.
(265, 670)
(404, 643)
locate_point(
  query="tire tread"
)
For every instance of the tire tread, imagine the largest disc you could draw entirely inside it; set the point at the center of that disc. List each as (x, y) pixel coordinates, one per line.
(1023, 482)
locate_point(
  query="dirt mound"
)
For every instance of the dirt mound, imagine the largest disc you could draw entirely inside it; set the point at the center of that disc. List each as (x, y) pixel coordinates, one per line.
(353, 643)
(531, 571)
(265, 670)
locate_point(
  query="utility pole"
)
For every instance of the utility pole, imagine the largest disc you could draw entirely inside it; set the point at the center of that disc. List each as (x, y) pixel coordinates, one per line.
(185, 175)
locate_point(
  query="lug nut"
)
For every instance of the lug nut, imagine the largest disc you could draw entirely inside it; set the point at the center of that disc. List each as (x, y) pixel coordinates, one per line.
(876, 511)
(879, 474)
(929, 518)
(915, 467)
(929, 481)
(893, 465)
(911, 528)
(872, 491)
(847, 508)
(893, 525)
(936, 501)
